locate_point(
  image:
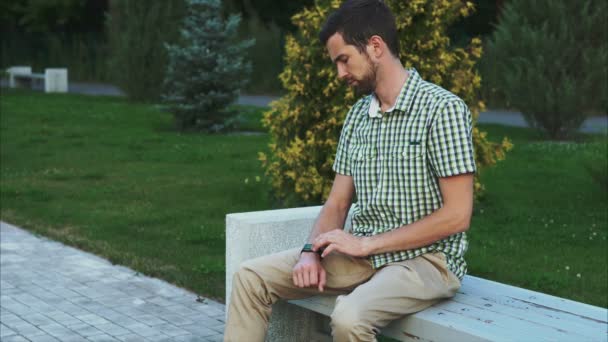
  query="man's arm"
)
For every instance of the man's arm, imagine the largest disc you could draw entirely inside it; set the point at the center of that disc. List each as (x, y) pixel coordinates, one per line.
(334, 211)
(308, 271)
(453, 217)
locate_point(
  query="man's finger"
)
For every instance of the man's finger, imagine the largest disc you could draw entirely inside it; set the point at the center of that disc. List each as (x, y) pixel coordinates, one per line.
(300, 280)
(294, 276)
(321, 279)
(317, 244)
(320, 244)
(313, 277)
(328, 250)
(306, 278)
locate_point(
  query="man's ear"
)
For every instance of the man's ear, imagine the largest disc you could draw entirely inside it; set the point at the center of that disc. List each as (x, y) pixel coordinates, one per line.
(375, 46)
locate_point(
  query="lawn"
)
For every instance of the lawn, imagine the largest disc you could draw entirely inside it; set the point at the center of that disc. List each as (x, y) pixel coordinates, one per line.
(116, 179)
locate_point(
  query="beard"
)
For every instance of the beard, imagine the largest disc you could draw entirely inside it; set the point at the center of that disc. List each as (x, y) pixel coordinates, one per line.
(367, 83)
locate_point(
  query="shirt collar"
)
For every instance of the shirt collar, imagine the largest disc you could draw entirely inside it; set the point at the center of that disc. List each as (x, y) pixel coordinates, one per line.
(403, 99)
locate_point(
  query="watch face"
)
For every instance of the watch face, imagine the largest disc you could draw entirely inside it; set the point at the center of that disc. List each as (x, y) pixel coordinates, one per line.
(307, 248)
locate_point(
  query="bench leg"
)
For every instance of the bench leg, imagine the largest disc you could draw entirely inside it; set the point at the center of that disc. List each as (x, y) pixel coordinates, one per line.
(56, 80)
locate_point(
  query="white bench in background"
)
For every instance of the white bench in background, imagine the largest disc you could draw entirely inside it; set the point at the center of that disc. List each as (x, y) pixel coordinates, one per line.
(55, 80)
(482, 310)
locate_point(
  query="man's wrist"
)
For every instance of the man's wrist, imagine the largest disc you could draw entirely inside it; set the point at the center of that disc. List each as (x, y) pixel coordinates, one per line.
(308, 250)
(367, 244)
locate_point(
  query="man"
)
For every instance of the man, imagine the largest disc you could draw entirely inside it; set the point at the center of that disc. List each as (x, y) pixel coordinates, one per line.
(406, 152)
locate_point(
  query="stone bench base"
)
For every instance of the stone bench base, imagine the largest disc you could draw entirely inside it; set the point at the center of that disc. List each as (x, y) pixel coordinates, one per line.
(482, 310)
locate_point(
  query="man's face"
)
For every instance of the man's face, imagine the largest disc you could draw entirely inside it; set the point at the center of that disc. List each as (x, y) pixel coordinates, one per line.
(354, 67)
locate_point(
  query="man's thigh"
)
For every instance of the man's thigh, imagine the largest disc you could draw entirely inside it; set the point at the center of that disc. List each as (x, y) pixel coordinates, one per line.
(398, 289)
(344, 273)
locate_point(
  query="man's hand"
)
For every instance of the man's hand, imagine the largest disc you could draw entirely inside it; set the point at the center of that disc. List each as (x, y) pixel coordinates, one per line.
(341, 241)
(309, 271)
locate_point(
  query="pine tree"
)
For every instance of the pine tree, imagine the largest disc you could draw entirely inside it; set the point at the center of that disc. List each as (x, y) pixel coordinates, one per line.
(206, 69)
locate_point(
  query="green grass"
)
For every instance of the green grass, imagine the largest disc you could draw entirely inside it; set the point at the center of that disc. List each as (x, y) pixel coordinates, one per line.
(114, 178)
(542, 224)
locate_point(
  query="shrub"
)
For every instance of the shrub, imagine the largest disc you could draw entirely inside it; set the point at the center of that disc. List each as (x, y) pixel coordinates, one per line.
(550, 61)
(305, 123)
(207, 69)
(137, 30)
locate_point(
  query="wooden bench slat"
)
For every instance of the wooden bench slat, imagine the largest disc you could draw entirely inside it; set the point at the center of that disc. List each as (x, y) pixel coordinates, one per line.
(522, 326)
(424, 326)
(491, 289)
(480, 328)
(539, 318)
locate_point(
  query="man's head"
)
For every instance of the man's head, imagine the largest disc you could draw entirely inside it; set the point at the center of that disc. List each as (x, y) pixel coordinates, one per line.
(356, 36)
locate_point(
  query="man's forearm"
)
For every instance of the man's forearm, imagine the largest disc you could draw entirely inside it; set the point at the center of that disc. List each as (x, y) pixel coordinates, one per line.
(434, 227)
(331, 217)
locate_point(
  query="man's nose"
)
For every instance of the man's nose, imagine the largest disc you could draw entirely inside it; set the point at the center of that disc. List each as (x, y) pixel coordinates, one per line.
(341, 72)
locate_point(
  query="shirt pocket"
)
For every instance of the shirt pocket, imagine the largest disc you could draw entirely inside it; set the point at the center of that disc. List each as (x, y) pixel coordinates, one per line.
(362, 153)
(407, 169)
(407, 152)
(363, 159)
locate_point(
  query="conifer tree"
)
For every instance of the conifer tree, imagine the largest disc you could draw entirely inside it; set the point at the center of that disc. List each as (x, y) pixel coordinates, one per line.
(206, 69)
(550, 61)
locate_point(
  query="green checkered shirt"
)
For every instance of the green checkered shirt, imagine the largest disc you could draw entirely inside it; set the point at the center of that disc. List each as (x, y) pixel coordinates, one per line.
(396, 158)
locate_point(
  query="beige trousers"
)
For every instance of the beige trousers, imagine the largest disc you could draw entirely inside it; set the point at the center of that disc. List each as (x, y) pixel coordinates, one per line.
(368, 299)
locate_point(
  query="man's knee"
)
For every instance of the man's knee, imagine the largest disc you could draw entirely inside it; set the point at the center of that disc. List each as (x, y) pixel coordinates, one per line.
(246, 278)
(350, 322)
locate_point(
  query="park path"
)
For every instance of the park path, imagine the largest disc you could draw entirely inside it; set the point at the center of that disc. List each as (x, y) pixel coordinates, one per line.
(52, 292)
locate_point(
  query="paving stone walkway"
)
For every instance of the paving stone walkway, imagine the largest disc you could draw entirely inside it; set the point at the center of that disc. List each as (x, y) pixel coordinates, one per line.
(52, 292)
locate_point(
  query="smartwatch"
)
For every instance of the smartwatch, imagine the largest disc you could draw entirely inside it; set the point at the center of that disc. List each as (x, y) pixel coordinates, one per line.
(308, 248)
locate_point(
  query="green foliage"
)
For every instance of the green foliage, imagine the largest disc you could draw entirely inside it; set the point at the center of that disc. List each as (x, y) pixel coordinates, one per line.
(207, 69)
(270, 11)
(137, 30)
(266, 55)
(83, 54)
(55, 33)
(550, 61)
(43, 15)
(305, 124)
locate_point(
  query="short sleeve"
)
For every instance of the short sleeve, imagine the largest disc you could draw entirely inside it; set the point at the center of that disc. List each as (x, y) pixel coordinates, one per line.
(450, 145)
(342, 162)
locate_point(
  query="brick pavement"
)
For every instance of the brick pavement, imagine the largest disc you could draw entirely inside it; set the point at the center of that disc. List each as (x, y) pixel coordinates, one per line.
(52, 292)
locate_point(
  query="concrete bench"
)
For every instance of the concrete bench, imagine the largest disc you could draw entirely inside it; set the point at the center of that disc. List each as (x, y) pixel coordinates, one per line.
(482, 310)
(55, 80)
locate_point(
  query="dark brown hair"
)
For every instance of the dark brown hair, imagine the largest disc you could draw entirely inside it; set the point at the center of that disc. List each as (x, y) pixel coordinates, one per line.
(358, 20)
